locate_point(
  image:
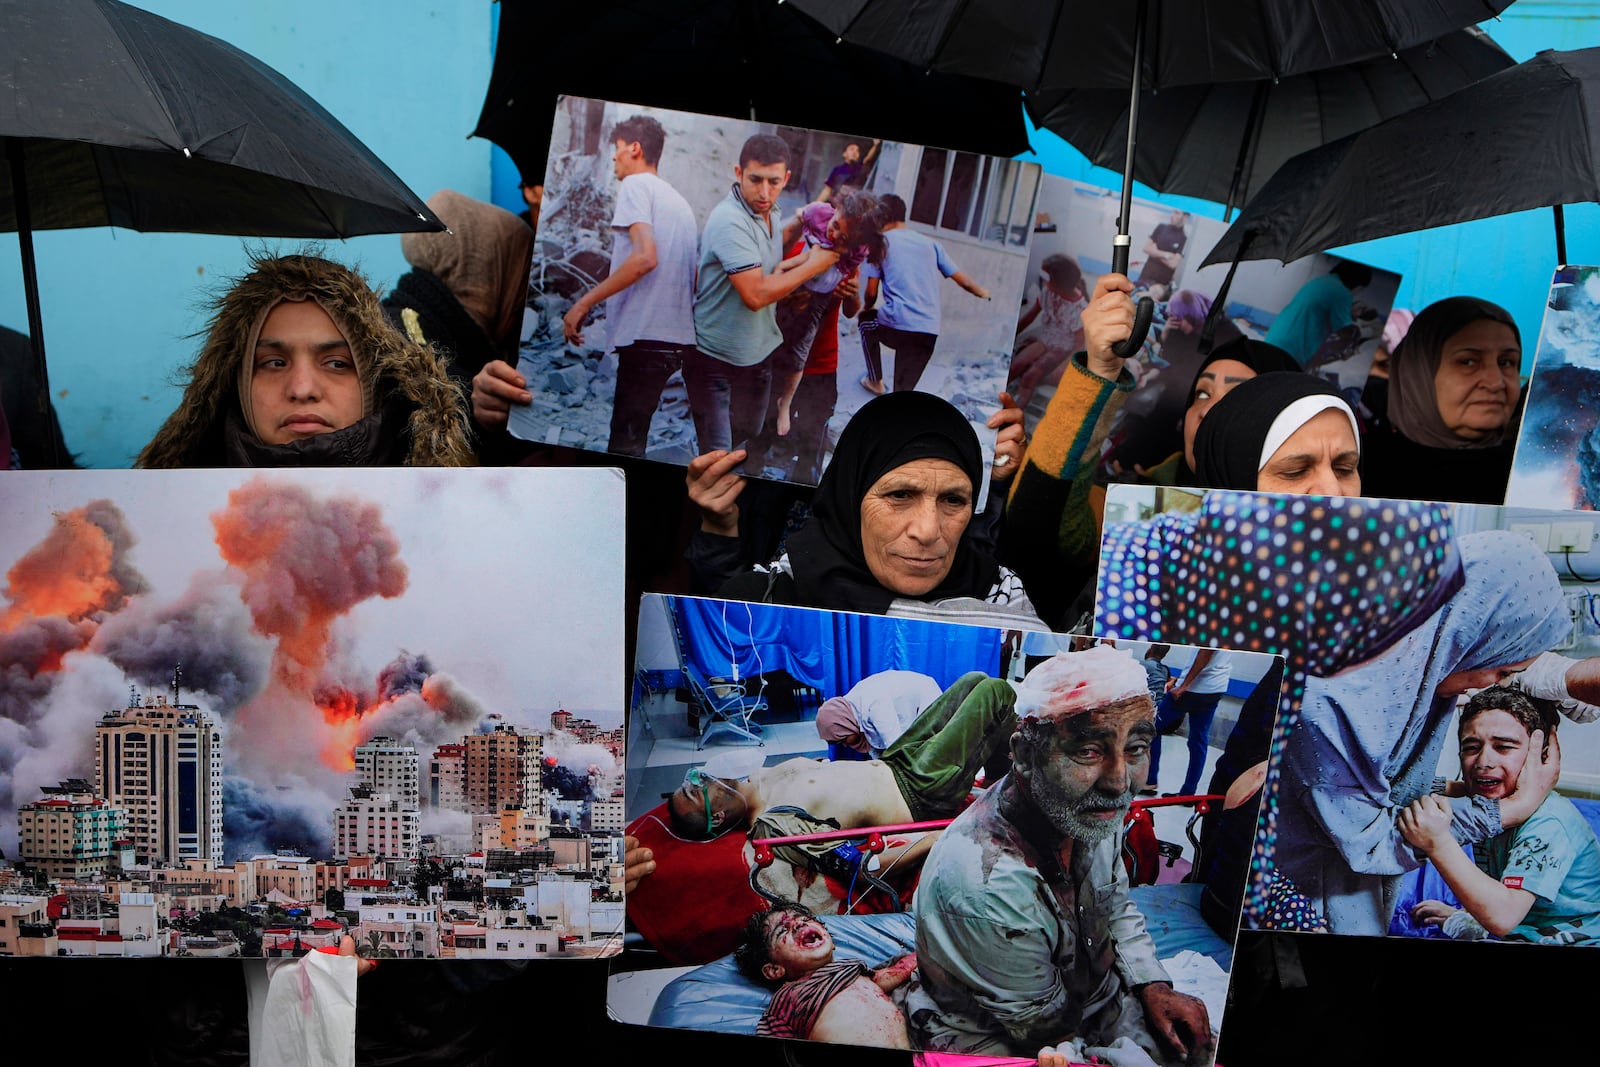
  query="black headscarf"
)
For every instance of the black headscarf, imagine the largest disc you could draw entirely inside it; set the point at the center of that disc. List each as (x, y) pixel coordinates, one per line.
(1257, 355)
(1228, 445)
(829, 564)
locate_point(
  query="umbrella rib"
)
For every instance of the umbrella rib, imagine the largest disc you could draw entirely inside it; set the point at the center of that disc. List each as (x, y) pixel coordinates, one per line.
(949, 31)
(1049, 44)
(317, 204)
(848, 26)
(1388, 31)
(1244, 163)
(136, 60)
(1152, 52)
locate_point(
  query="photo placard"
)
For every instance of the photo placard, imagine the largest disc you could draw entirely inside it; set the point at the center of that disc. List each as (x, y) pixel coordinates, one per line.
(251, 713)
(706, 348)
(795, 773)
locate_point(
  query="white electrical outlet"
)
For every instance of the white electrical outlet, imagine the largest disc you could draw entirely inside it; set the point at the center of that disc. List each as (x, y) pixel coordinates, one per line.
(1571, 536)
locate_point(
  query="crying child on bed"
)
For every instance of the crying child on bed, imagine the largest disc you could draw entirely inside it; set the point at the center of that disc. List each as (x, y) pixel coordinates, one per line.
(815, 998)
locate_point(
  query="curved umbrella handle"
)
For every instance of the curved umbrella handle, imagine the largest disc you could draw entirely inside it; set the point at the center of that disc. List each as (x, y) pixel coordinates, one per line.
(1142, 314)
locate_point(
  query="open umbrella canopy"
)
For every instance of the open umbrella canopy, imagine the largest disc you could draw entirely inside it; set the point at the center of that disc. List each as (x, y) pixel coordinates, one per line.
(1222, 141)
(1145, 44)
(1058, 43)
(1525, 138)
(122, 118)
(747, 58)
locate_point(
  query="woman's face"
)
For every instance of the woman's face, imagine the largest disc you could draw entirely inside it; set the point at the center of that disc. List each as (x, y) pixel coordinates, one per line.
(304, 381)
(1212, 385)
(1321, 457)
(1476, 385)
(912, 520)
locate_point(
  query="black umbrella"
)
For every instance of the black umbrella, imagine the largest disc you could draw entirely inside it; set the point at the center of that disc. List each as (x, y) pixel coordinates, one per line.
(1188, 134)
(751, 59)
(112, 116)
(1525, 138)
(1070, 43)
(1156, 42)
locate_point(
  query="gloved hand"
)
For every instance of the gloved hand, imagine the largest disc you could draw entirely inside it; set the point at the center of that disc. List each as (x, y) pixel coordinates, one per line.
(1546, 679)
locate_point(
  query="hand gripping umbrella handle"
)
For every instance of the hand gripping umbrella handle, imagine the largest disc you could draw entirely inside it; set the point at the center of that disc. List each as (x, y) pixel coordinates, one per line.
(1142, 314)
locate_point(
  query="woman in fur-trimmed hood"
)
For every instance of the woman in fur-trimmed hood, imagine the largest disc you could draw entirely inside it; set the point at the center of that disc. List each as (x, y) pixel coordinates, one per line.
(402, 407)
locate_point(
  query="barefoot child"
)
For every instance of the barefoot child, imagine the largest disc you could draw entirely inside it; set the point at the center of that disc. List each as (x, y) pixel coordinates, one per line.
(815, 998)
(850, 228)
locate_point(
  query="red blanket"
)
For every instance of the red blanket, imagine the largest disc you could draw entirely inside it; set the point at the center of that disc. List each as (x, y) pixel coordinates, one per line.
(693, 906)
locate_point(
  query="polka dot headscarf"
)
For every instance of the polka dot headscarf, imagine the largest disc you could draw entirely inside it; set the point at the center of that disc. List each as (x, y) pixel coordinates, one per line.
(1324, 581)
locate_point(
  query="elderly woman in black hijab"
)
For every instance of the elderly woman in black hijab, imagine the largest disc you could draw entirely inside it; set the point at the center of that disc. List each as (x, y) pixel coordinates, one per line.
(1280, 433)
(1454, 387)
(890, 527)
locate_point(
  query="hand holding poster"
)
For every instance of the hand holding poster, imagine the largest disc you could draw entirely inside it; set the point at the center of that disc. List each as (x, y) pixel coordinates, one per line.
(1325, 313)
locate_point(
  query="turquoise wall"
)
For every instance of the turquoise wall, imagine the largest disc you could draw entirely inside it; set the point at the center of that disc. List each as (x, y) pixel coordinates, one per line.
(1506, 259)
(119, 307)
(408, 77)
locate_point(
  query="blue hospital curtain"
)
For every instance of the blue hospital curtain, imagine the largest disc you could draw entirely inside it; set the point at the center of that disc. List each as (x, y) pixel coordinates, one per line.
(829, 650)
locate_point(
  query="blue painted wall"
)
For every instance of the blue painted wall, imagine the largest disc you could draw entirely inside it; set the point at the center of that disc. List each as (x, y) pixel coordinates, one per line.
(406, 77)
(1507, 259)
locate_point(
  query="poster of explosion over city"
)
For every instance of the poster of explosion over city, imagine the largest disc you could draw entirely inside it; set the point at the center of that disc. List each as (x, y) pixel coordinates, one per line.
(249, 713)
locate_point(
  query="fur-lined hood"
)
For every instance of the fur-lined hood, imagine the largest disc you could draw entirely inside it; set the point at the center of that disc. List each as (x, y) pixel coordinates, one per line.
(393, 367)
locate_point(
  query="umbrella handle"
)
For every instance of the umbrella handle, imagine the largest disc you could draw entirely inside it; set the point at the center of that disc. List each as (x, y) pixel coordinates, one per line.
(1142, 314)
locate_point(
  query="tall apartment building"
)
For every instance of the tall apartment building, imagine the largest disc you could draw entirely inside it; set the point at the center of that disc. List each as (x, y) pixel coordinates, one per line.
(69, 833)
(161, 764)
(376, 824)
(607, 816)
(447, 778)
(388, 767)
(503, 770)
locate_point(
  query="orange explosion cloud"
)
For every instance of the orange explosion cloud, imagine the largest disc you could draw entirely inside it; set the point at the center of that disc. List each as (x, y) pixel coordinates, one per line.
(341, 710)
(306, 562)
(71, 573)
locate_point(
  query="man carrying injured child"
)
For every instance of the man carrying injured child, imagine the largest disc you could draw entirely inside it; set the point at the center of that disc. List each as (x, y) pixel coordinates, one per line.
(1539, 881)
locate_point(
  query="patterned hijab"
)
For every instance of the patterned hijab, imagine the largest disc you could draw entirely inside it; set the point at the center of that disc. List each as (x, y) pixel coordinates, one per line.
(1370, 737)
(1324, 581)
